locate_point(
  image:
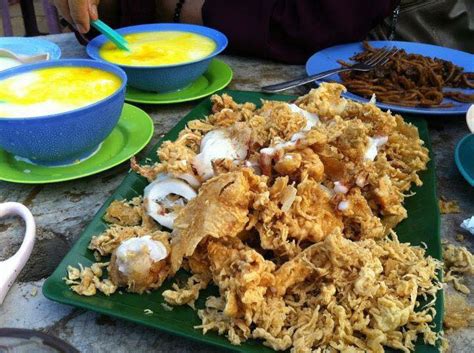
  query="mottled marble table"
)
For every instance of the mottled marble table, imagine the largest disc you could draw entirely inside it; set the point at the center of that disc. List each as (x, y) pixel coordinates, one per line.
(63, 210)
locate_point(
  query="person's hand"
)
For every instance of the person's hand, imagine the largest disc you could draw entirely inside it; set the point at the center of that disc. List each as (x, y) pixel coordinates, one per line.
(79, 13)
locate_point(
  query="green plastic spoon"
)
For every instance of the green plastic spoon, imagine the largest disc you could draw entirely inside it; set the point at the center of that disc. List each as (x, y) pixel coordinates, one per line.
(112, 35)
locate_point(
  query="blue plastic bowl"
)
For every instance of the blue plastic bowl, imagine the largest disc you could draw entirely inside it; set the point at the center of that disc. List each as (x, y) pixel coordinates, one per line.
(63, 138)
(164, 78)
(463, 156)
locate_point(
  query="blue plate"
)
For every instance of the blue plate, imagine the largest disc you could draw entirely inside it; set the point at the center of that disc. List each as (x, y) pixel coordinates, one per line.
(326, 59)
(30, 46)
(463, 157)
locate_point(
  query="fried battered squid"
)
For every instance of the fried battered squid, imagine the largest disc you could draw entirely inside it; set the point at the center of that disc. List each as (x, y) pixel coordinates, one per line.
(286, 209)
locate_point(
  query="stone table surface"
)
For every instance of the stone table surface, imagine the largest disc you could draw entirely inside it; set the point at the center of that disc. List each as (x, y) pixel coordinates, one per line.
(63, 210)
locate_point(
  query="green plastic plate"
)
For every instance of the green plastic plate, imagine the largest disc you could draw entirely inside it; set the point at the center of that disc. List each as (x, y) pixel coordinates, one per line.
(217, 76)
(422, 225)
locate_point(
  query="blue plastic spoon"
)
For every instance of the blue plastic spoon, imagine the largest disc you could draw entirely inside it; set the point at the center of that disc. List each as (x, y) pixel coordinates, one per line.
(112, 35)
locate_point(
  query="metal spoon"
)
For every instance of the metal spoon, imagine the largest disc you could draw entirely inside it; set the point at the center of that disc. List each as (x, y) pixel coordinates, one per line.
(470, 118)
(23, 58)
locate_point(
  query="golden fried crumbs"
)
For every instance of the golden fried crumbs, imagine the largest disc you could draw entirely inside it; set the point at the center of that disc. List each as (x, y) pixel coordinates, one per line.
(457, 312)
(188, 293)
(447, 207)
(458, 262)
(125, 213)
(108, 241)
(370, 287)
(87, 280)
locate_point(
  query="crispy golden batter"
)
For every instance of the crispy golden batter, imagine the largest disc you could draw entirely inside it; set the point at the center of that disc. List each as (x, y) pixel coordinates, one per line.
(336, 293)
(311, 217)
(220, 209)
(86, 280)
(360, 222)
(242, 274)
(281, 122)
(125, 213)
(227, 102)
(326, 101)
(175, 157)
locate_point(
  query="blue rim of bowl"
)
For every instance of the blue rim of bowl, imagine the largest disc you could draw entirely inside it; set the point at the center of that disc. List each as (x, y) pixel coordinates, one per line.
(458, 162)
(49, 47)
(17, 70)
(219, 38)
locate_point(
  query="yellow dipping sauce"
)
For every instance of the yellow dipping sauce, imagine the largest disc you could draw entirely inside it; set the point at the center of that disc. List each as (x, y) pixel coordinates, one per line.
(159, 48)
(54, 90)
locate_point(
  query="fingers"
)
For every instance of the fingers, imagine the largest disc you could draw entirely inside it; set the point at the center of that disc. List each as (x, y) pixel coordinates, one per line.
(63, 9)
(94, 14)
(79, 10)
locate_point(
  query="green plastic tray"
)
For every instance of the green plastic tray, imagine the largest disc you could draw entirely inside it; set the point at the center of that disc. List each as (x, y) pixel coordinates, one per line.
(422, 225)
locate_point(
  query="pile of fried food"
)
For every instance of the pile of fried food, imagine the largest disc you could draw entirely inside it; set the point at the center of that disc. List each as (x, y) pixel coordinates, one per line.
(410, 80)
(288, 209)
